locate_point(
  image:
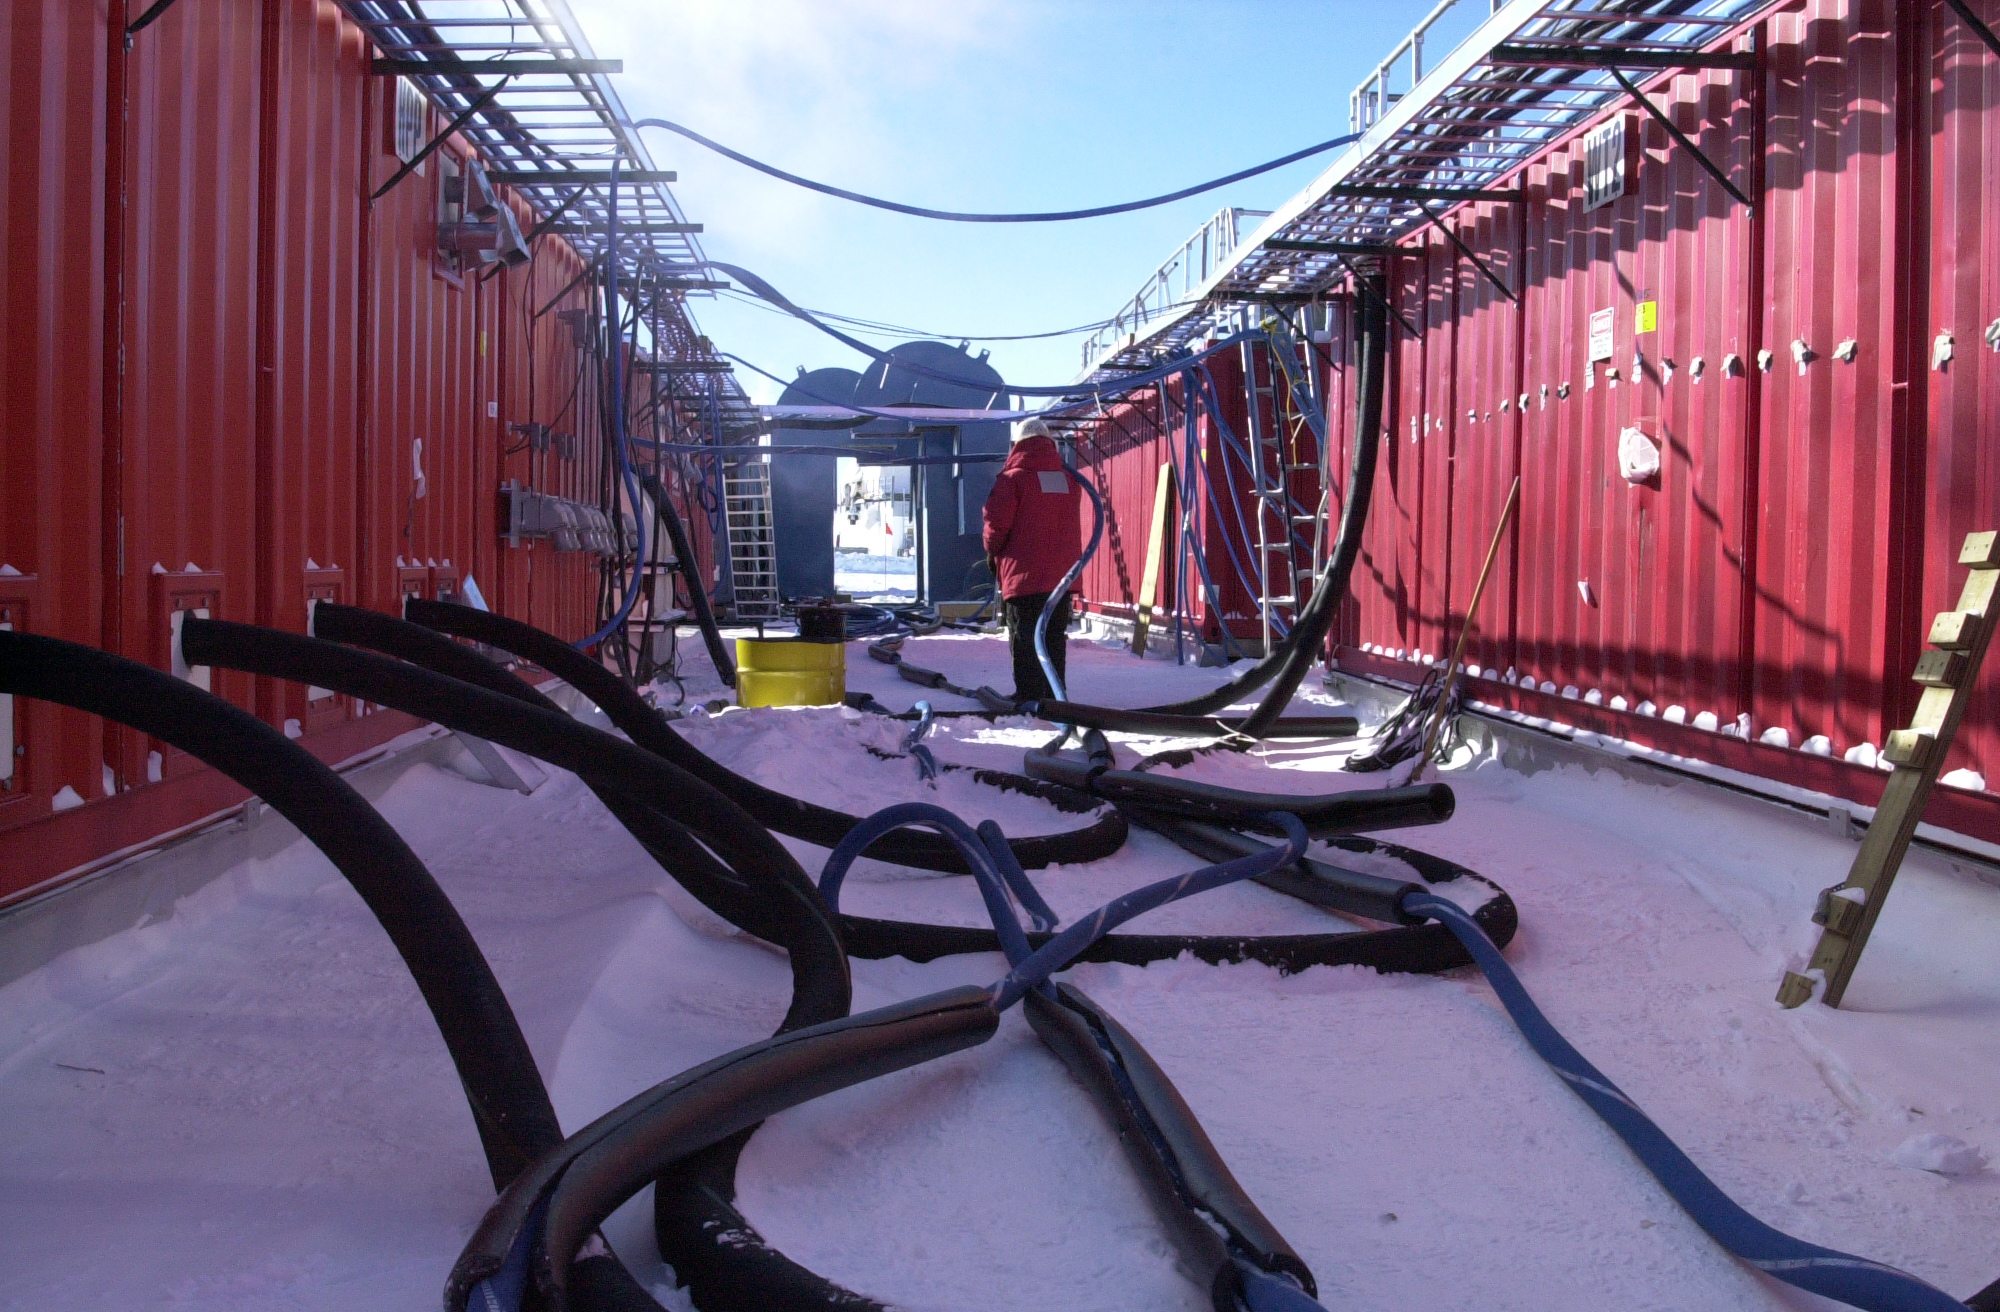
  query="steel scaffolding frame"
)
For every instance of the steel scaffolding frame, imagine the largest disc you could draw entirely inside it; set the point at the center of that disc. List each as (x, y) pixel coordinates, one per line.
(1532, 73)
(552, 135)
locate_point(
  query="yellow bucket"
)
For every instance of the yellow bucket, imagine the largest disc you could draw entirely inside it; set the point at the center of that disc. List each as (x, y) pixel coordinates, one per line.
(789, 672)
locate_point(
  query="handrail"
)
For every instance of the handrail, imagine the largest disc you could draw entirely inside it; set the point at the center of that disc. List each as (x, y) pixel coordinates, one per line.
(1175, 280)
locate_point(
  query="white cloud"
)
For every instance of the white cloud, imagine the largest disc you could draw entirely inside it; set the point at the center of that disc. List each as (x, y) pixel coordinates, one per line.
(808, 85)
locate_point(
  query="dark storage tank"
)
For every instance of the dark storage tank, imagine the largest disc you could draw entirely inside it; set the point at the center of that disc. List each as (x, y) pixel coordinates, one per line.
(804, 489)
(948, 496)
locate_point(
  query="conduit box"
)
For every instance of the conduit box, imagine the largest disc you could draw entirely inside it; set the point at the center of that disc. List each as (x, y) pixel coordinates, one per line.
(176, 595)
(6, 721)
(20, 595)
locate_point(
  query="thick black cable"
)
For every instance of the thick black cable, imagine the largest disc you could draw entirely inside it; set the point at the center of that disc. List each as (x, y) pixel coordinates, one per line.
(1347, 812)
(532, 1231)
(952, 216)
(819, 966)
(1287, 664)
(792, 816)
(509, 1104)
(821, 988)
(1213, 1222)
(690, 571)
(549, 735)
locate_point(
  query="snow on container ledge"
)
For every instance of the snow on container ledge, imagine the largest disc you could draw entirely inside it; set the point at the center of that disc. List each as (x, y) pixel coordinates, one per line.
(790, 672)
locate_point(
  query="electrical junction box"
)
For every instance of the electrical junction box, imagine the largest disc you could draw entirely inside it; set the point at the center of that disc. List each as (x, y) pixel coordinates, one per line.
(175, 595)
(6, 726)
(570, 525)
(20, 601)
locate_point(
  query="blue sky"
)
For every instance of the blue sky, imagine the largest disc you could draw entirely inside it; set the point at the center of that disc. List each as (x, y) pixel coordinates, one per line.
(982, 105)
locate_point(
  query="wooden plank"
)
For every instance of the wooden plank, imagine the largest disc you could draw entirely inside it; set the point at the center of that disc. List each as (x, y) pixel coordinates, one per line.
(1156, 550)
(1847, 912)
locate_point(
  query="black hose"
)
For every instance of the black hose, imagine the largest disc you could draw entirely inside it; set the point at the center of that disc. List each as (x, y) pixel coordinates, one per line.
(800, 927)
(1408, 949)
(1115, 719)
(795, 817)
(1353, 892)
(509, 1105)
(1352, 812)
(1212, 1220)
(690, 568)
(777, 902)
(1287, 663)
(582, 1180)
(597, 757)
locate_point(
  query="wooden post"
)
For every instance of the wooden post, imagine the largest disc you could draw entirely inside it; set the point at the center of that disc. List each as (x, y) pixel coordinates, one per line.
(1156, 550)
(1847, 912)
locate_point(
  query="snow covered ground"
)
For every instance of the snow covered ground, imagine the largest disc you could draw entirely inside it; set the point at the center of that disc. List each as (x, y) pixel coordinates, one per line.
(867, 577)
(244, 1105)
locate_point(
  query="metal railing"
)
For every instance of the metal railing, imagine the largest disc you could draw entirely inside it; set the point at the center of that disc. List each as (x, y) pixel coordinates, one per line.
(1175, 282)
(1376, 95)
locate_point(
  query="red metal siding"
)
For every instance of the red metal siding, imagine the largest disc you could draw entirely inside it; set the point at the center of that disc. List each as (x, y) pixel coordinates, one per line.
(52, 135)
(227, 374)
(1805, 522)
(1961, 473)
(309, 299)
(1825, 434)
(189, 320)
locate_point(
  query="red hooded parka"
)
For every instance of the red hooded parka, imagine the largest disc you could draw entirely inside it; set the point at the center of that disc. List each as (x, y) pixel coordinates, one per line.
(1033, 517)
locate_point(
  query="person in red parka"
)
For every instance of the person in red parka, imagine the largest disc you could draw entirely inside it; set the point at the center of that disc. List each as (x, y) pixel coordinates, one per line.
(1033, 535)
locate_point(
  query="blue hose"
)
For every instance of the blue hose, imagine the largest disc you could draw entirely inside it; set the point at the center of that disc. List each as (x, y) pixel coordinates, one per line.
(1065, 947)
(1248, 577)
(1852, 1280)
(913, 744)
(993, 885)
(1062, 589)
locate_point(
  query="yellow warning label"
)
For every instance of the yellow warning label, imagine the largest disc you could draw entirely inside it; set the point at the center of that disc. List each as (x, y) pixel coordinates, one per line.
(1647, 319)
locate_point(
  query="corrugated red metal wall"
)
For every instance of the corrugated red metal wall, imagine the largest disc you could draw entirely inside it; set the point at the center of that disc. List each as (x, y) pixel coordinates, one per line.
(52, 149)
(222, 359)
(1821, 411)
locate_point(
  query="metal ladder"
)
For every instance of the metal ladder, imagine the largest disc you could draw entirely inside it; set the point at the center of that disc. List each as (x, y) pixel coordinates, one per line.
(1284, 455)
(753, 548)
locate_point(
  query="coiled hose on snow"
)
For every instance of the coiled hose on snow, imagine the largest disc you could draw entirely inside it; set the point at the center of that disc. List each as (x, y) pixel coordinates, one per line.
(790, 816)
(1285, 666)
(694, 1205)
(1419, 948)
(509, 1105)
(532, 1234)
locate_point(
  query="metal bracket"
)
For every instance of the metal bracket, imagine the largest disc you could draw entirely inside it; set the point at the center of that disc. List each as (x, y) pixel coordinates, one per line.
(1467, 251)
(541, 228)
(1847, 912)
(1680, 138)
(147, 19)
(465, 116)
(1971, 20)
(1384, 301)
(1553, 55)
(1326, 247)
(1420, 194)
(446, 66)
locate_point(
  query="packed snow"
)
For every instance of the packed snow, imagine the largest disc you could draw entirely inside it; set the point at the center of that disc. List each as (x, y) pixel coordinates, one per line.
(243, 1104)
(871, 576)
